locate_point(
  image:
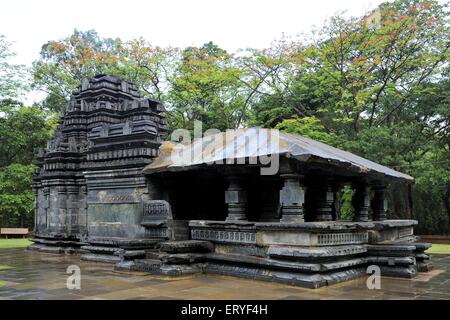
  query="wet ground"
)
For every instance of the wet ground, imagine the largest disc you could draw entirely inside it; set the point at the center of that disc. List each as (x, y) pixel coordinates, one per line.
(34, 275)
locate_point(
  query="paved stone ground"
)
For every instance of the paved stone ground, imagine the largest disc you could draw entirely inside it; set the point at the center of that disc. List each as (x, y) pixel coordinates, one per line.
(43, 276)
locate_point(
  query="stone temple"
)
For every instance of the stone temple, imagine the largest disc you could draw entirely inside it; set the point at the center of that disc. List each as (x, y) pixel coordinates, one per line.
(253, 203)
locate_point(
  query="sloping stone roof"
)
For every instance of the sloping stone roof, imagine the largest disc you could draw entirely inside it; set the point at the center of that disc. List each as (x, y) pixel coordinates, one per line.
(226, 147)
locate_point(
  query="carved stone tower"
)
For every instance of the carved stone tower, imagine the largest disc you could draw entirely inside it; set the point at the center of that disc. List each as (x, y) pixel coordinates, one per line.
(89, 187)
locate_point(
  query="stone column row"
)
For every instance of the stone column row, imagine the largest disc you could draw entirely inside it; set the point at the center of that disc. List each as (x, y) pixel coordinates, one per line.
(361, 202)
(292, 199)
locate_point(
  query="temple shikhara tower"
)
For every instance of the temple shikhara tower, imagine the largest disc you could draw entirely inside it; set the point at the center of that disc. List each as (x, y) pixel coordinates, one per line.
(109, 188)
(89, 186)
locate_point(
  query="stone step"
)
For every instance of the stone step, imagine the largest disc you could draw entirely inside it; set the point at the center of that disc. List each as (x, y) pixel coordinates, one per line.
(154, 266)
(397, 271)
(56, 242)
(422, 246)
(106, 258)
(176, 258)
(100, 249)
(188, 246)
(295, 253)
(422, 256)
(124, 243)
(308, 280)
(53, 249)
(127, 265)
(182, 258)
(391, 261)
(424, 266)
(391, 250)
(131, 254)
(283, 264)
(242, 260)
(148, 265)
(342, 264)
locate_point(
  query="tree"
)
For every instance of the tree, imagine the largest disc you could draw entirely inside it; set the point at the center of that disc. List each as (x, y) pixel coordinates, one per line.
(149, 67)
(378, 84)
(309, 127)
(365, 71)
(11, 76)
(65, 63)
(358, 73)
(23, 131)
(16, 197)
(205, 87)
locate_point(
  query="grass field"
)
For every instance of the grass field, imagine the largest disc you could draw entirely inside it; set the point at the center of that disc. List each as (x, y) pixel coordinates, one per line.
(438, 248)
(14, 243)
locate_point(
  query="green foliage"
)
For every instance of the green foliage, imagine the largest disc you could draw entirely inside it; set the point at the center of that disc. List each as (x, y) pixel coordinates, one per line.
(309, 127)
(23, 131)
(346, 211)
(16, 197)
(65, 63)
(11, 76)
(206, 88)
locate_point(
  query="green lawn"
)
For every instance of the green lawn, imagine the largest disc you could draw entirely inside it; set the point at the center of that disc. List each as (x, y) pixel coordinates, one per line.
(438, 248)
(14, 243)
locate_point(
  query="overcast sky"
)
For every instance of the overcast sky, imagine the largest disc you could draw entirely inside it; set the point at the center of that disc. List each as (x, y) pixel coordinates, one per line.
(232, 24)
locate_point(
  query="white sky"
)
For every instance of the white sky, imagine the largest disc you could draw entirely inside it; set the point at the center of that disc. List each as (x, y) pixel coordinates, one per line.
(231, 24)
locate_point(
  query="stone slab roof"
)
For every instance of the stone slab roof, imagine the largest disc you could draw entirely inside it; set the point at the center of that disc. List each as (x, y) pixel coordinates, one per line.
(228, 147)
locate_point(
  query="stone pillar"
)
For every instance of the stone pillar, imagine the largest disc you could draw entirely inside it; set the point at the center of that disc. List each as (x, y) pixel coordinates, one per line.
(46, 208)
(361, 202)
(82, 215)
(36, 194)
(337, 185)
(72, 209)
(236, 198)
(61, 210)
(292, 197)
(379, 203)
(325, 199)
